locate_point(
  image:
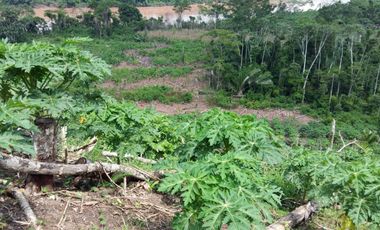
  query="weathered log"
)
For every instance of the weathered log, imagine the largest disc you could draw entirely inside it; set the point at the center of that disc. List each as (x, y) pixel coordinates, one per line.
(28, 211)
(19, 164)
(295, 217)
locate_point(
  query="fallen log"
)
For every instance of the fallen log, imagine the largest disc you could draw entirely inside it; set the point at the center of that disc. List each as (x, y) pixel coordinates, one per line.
(295, 217)
(24, 204)
(18, 164)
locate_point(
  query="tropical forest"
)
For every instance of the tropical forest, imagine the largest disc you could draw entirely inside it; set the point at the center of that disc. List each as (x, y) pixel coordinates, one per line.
(189, 114)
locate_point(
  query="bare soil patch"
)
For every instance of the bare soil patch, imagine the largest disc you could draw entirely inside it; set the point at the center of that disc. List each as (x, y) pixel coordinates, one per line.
(141, 61)
(199, 104)
(106, 208)
(147, 12)
(184, 34)
(193, 83)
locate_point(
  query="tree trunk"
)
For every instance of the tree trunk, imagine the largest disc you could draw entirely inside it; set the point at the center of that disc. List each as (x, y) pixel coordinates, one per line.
(304, 47)
(321, 45)
(331, 89)
(45, 145)
(352, 66)
(377, 81)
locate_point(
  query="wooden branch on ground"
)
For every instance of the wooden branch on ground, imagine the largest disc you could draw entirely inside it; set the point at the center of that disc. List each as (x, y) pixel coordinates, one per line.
(141, 159)
(295, 217)
(346, 145)
(129, 156)
(21, 199)
(18, 164)
(85, 148)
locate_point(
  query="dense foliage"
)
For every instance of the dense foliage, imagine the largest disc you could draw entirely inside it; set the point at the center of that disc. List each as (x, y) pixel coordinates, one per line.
(229, 170)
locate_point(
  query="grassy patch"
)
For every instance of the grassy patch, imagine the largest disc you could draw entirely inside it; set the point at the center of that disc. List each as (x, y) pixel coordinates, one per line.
(184, 34)
(178, 52)
(222, 100)
(162, 94)
(112, 50)
(133, 75)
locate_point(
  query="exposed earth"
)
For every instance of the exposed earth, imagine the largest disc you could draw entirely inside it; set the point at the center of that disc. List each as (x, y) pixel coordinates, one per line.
(104, 208)
(195, 83)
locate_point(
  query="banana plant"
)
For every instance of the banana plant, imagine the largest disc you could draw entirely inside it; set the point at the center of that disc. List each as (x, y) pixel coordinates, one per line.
(256, 78)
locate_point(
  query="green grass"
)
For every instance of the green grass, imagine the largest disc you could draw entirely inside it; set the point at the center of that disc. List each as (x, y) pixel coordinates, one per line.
(221, 99)
(162, 94)
(112, 50)
(178, 52)
(109, 49)
(133, 75)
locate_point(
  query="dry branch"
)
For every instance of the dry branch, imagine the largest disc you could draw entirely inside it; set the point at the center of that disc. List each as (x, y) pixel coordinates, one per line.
(129, 156)
(294, 218)
(346, 145)
(21, 199)
(14, 163)
(85, 148)
(141, 159)
(333, 127)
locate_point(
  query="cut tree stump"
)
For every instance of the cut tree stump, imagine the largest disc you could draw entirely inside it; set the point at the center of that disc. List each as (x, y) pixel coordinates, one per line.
(19, 164)
(45, 145)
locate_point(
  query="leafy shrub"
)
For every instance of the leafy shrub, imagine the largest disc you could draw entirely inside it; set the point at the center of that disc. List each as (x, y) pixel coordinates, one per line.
(127, 129)
(221, 132)
(222, 100)
(288, 128)
(350, 179)
(315, 130)
(230, 189)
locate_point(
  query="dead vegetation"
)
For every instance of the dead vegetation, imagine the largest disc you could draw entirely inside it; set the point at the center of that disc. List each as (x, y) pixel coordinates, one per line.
(135, 208)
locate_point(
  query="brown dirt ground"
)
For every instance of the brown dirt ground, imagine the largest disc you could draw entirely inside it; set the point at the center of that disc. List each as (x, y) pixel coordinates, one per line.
(147, 12)
(201, 105)
(190, 83)
(107, 208)
(194, 83)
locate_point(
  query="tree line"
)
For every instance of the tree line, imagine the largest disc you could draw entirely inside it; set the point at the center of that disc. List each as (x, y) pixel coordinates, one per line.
(328, 57)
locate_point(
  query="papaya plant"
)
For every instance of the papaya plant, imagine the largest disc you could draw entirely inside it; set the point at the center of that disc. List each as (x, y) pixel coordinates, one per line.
(42, 73)
(129, 130)
(232, 189)
(349, 180)
(220, 132)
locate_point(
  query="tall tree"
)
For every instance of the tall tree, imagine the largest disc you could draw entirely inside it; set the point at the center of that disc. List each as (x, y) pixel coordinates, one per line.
(129, 13)
(180, 6)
